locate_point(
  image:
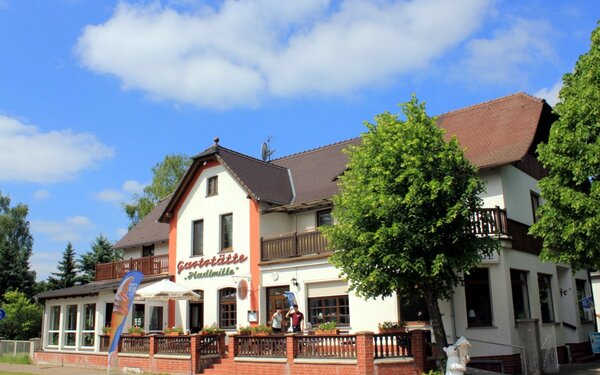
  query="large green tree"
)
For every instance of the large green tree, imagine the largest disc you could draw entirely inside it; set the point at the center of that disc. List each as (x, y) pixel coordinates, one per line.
(403, 212)
(68, 271)
(101, 251)
(23, 319)
(165, 177)
(569, 219)
(16, 245)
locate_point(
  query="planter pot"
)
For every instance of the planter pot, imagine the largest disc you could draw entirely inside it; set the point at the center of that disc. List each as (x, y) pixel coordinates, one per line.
(244, 333)
(136, 334)
(392, 330)
(173, 334)
(325, 332)
(261, 334)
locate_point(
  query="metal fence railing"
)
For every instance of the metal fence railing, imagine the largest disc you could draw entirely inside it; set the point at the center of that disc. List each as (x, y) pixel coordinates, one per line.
(19, 347)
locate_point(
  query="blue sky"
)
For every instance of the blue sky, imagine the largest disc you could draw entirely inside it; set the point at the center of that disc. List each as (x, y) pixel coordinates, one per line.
(95, 93)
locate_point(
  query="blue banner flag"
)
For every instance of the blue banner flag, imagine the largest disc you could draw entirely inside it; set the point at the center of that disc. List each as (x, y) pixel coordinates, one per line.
(123, 302)
(587, 302)
(291, 297)
(2, 314)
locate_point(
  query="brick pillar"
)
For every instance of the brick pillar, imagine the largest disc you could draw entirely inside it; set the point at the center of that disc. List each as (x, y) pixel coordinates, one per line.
(152, 346)
(418, 346)
(364, 353)
(222, 345)
(291, 348)
(232, 345)
(193, 353)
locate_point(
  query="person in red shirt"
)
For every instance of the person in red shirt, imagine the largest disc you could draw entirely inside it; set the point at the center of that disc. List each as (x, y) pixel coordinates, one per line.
(297, 319)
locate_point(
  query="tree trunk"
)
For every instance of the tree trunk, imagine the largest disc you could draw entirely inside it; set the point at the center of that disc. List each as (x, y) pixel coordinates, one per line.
(436, 323)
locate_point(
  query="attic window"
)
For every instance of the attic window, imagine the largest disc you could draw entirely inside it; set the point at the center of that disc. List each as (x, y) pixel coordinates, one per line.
(212, 187)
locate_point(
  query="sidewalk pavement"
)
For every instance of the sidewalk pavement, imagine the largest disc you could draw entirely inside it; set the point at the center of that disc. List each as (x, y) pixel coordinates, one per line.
(591, 368)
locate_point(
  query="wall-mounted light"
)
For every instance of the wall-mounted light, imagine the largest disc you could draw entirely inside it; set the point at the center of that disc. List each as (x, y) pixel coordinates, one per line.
(294, 281)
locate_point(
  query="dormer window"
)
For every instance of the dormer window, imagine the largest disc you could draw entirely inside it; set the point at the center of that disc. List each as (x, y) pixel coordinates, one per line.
(212, 186)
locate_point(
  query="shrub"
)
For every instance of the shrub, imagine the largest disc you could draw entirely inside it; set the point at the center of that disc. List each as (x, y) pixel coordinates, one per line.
(136, 330)
(178, 329)
(327, 326)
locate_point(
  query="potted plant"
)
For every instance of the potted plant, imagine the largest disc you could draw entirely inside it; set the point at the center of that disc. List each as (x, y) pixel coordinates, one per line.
(392, 327)
(261, 330)
(329, 328)
(136, 331)
(210, 330)
(106, 330)
(245, 331)
(174, 331)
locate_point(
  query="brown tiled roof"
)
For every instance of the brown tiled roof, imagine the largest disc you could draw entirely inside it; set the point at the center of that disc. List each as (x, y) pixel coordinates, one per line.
(148, 231)
(493, 133)
(497, 132)
(90, 289)
(262, 181)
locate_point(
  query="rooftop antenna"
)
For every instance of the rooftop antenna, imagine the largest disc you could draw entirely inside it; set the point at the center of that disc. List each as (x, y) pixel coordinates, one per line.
(265, 150)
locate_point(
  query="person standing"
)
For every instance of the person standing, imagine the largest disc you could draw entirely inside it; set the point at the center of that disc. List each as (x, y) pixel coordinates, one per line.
(297, 319)
(277, 318)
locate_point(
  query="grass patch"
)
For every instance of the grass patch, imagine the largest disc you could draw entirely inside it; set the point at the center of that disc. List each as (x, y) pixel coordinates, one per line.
(15, 373)
(18, 360)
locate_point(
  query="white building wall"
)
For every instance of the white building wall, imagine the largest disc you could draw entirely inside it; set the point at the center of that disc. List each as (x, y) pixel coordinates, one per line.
(517, 186)
(160, 248)
(493, 195)
(231, 198)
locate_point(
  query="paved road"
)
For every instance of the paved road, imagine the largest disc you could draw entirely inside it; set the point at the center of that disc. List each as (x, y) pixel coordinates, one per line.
(592, 368)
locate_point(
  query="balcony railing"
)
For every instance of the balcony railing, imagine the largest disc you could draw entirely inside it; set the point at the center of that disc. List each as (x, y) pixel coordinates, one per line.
(152, 265)
(487, 221)
(293, 245)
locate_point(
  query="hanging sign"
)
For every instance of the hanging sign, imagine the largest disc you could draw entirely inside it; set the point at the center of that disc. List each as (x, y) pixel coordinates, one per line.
(242, 289)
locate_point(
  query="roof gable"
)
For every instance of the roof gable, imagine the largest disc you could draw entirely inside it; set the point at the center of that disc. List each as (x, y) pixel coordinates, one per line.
(149, 230)
(261, 180)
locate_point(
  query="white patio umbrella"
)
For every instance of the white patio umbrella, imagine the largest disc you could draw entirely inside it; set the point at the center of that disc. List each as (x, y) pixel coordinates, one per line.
(165, 290)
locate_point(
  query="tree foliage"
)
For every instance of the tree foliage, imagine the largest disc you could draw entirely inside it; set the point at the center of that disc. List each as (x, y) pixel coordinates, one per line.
(403, 212)
(569, 219)
(23, 319)
(101, 251)
(165, 177)
(68, 271)
(16, 245)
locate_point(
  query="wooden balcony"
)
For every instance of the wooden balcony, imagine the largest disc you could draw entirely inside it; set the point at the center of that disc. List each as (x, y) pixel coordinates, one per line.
(153, 265)
(486, 222)
(292, 245)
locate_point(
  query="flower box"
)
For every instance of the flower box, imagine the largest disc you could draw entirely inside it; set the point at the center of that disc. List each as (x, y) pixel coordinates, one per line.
(263, 334)
(326, 332)
(173, 333)
(392, 330)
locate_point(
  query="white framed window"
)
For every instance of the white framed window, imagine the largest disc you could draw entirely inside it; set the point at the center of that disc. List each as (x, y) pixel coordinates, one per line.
(88, 332)
(198, 237)
(545, 291)
(54, 326)
(226, 233)
(70, 337)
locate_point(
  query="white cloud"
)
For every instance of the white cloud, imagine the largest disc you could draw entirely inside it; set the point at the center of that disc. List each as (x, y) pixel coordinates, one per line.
(68, 230)
(128, 188)
(550, 93)
(236, 54)
(503, 59)
(133, 187)
(44, 263)
(30, 155)
(112, 196)
(41, 195)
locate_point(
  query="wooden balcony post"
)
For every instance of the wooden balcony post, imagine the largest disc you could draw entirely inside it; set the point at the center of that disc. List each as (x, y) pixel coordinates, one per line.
(295, 244)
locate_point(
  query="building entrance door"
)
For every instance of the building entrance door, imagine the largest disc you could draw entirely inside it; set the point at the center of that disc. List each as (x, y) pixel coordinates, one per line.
(276, 299)
(197, 313)
(196, 316)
